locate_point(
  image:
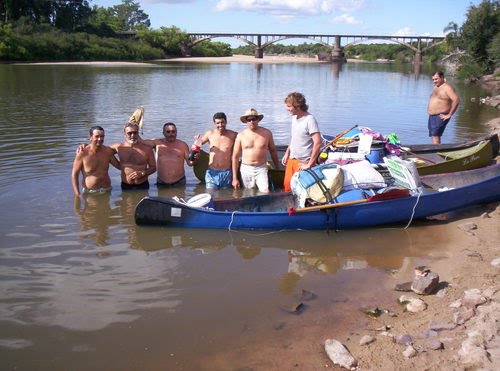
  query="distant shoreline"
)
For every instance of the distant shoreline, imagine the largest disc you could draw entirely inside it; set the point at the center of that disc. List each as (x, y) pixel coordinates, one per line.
(268, 59)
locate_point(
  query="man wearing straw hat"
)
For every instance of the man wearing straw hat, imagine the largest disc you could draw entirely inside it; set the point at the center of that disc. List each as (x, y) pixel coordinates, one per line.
(253, 143)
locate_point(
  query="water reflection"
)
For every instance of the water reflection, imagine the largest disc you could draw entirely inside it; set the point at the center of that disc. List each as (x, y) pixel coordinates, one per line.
(58, 284)
(318, 252)
(336, 68)
(95, 216)
(417, 70)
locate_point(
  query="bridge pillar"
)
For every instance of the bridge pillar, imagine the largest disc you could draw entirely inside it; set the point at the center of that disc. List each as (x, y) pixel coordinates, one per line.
(338, 52)
(417, 59)
(259, 52)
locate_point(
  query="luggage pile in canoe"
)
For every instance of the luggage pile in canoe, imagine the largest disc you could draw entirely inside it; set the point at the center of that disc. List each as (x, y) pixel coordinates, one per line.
(429, 158)
(429, 195)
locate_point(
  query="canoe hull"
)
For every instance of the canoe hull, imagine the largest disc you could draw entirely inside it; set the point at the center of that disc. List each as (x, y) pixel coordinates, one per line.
(476, 157)
(166, 212)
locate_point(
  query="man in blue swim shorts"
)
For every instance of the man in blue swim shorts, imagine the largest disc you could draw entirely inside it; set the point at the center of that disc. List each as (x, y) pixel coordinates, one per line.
(218, 178)
(221, 140)
(436, 125)
(443, 103)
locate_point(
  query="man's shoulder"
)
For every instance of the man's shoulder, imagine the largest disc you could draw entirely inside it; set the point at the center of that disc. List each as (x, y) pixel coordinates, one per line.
(108, 149)
(116, 146)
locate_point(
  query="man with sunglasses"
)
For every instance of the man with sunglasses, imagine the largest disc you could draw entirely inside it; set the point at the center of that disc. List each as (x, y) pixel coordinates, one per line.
(136, 159)
(171, 153)
(252, 144)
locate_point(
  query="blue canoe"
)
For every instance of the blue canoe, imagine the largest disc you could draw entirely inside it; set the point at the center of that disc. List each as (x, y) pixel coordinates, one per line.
(275, 211)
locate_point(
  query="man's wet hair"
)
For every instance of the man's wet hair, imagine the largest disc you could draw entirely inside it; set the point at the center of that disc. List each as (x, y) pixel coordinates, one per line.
(169, 124)
(220, 115)
(96, 127)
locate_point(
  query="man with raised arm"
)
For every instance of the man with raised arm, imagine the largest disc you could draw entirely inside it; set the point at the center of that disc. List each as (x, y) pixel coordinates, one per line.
(221, 140)
(171, 153)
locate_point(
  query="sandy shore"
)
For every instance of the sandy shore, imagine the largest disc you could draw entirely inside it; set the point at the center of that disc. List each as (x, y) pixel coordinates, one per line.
(246, 59)
(231, 59)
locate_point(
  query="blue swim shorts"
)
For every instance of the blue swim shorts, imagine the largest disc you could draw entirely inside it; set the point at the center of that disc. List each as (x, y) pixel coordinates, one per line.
(436, 125)
(218, 178)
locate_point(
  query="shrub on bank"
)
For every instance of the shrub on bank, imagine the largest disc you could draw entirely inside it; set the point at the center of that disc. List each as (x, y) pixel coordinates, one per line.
(56, 45)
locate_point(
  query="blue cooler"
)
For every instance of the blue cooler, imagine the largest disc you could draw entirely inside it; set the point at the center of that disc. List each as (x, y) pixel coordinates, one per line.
(376, 156)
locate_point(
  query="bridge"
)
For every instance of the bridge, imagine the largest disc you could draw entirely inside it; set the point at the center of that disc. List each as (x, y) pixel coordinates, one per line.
(337, 43)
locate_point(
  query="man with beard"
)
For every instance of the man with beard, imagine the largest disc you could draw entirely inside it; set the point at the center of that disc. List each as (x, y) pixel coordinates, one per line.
(170, 156)
(93, 163)
(136, 158)
(221, 140)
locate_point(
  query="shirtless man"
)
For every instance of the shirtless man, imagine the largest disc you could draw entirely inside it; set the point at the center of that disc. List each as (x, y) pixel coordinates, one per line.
(443, 103)
(253, 143)
(171, 153)
(93, 162)
(136, 158)
(221, 141)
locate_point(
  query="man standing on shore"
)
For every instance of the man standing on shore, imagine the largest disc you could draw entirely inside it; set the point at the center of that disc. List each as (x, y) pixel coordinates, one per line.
(305, 142)
(443, 103)
(253, 143)
(221, 140)
(93, 162)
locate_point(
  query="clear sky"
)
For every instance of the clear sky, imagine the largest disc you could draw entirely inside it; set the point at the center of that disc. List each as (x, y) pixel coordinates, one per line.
(370, 17)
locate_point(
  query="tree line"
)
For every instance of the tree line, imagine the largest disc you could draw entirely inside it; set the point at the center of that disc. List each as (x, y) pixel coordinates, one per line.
(41, 30)
(54, 30)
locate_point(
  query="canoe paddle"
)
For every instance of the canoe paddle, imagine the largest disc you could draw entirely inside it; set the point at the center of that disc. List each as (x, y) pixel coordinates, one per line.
(393, 193)
(337, 137)
(417, 156)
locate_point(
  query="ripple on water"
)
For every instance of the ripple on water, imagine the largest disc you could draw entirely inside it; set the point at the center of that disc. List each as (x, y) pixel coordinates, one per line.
(13, 343)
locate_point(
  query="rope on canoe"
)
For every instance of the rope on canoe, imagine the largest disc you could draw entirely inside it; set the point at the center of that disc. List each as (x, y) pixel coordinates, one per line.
(413, 211)
(232, 218)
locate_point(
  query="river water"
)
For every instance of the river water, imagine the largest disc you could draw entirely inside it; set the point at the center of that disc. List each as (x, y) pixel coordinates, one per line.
(83, 286)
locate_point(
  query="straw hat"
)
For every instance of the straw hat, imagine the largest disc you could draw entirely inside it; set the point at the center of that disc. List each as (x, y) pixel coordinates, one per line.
(251, 112)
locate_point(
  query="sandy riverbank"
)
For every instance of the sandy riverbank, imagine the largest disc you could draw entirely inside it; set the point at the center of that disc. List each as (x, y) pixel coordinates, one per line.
(231, 59)
(247, 59)
(465, 255)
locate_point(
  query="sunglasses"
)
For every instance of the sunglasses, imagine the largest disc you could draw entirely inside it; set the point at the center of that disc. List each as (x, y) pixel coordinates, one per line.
(170, 131)
(250, 119)
(129, 133)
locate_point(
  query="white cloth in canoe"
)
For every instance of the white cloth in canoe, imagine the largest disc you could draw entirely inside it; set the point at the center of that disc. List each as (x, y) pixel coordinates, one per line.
(362, 175)
(324, 186)
(334, 178)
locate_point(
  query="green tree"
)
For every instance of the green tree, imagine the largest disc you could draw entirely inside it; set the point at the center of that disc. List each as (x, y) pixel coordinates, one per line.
(479, 31)
(169, 39)
(71, 15)
(128, 16)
